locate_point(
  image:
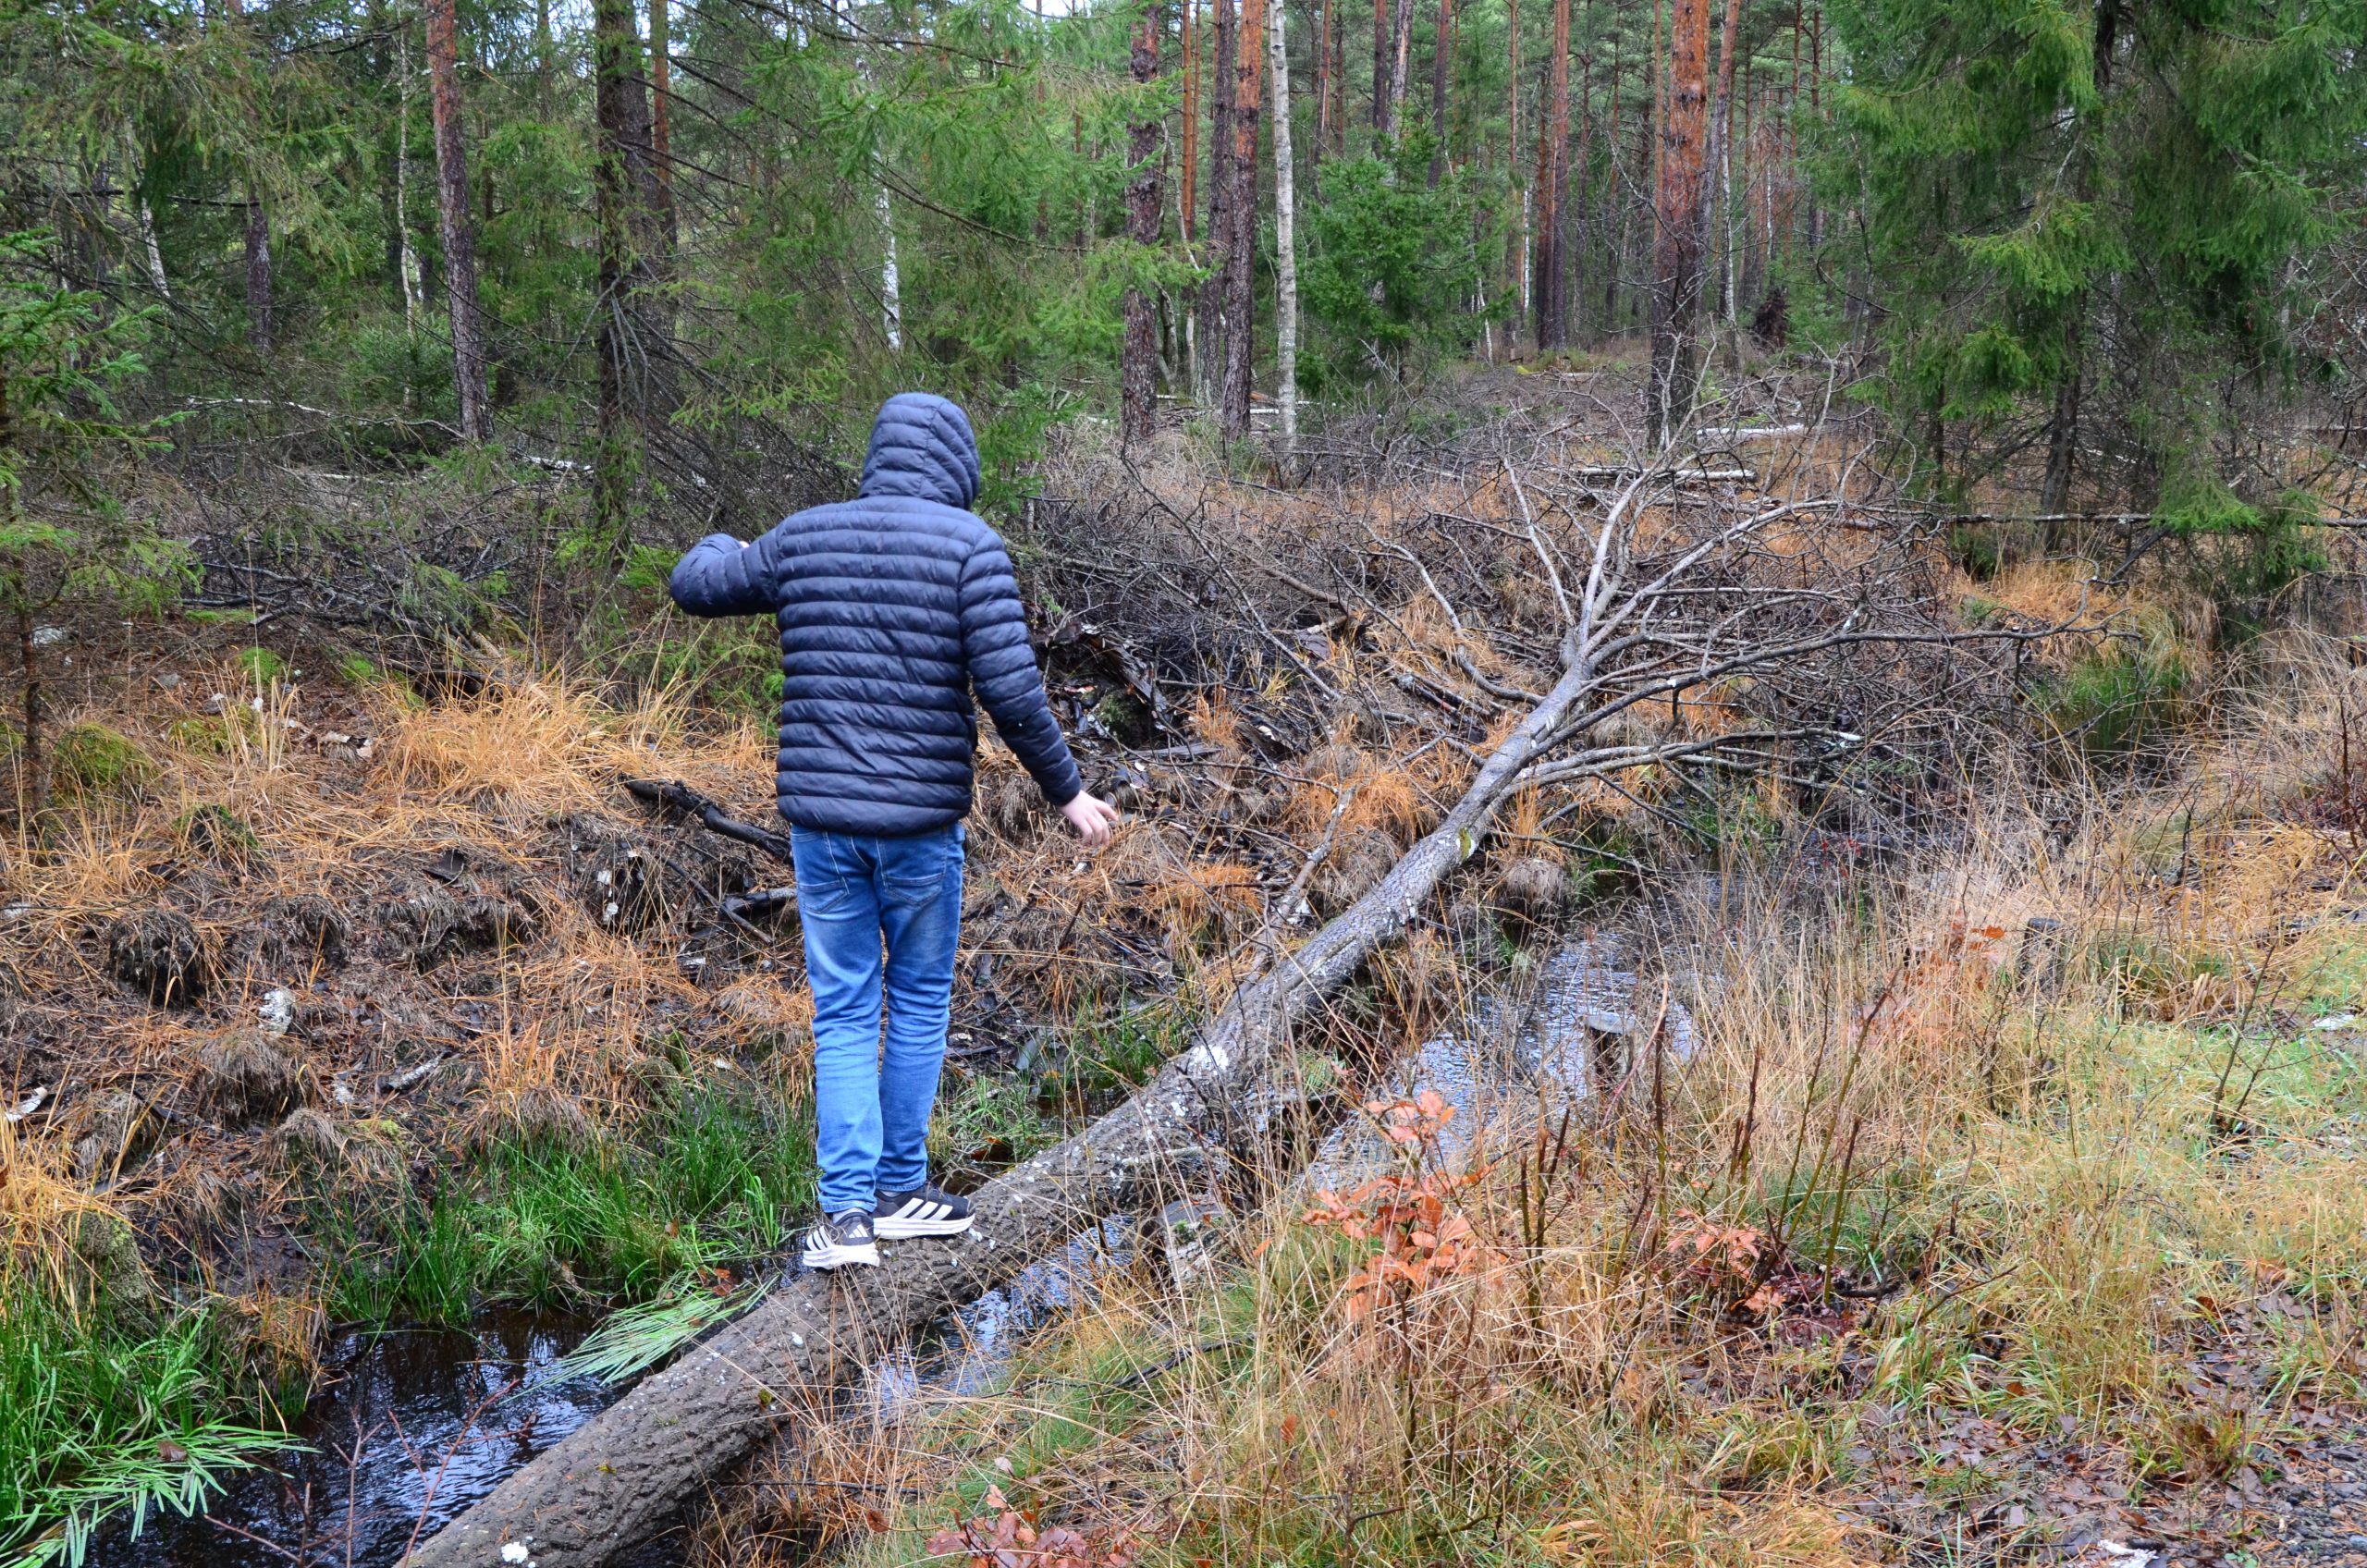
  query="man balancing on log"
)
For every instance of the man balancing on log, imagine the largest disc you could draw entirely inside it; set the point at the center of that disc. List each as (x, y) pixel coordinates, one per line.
(894, 609)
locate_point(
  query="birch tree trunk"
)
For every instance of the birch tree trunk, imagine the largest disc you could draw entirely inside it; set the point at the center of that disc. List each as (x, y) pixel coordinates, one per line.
(452, 214)
(1679, 215)
(1138, 370)
(1285, 250)
(1517, 243)
(143, 218)
(1401, 44)
(408, 281)
(1719, 218)
(891, 277)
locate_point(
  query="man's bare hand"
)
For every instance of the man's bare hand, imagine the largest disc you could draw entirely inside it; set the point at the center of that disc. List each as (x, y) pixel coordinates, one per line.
(1092, 818)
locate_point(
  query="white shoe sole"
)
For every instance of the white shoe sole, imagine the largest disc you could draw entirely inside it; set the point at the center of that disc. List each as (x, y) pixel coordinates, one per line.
(840, 1258)
(902, 1229)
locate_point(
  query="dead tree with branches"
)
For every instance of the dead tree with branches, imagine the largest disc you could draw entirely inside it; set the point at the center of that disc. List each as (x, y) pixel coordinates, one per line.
(1699, 636)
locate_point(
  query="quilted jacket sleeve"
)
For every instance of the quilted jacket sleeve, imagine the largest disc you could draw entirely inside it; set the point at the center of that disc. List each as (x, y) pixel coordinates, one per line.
(720, 576)
(1003, 674)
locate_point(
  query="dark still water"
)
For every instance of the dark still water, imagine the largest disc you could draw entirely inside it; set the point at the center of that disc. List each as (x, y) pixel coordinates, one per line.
(410, 1428)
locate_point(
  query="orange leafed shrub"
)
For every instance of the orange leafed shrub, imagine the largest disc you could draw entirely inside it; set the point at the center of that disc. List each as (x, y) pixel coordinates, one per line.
(1729, 1259)
(1005, 1538)
(1424, 1238)
(1922, 995)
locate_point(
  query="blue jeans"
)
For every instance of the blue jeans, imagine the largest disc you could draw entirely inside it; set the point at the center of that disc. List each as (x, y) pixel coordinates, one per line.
(871, 1106)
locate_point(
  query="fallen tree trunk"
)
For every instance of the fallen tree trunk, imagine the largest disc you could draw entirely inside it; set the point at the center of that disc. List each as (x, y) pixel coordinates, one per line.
(1695, 611)
(618, 1478)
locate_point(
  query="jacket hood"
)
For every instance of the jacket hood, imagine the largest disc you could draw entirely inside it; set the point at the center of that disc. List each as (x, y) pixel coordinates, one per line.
(921, 445)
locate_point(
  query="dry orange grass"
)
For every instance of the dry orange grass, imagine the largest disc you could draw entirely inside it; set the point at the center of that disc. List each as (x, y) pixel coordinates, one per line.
(487, 777)
(1376, 794)
(1214, 721)
(37, 1199)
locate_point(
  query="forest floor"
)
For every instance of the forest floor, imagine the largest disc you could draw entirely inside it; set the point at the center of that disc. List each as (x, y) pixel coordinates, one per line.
(2012, 1207)
(2075, 1279)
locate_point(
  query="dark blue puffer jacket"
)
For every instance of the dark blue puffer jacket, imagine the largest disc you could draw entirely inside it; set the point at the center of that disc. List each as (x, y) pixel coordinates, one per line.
(895, 607)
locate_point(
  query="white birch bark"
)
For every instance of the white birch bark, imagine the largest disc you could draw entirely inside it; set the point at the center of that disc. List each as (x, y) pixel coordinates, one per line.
(891, 302)
(891, 291)
(414, 286)
(144, 219)
(1285, 251)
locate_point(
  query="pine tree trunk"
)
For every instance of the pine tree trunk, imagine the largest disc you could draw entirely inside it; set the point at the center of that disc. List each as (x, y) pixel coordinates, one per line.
(1552, 286)
(1401, 43)
(1574, 222)
(1241, 335)
(1381, 69)
(1338, 87)
(1614, 234)
(1816, 113)
(1214, 298)
(1785, 222)
(258, 252)
(1138, 372)
(1440, 53)
(1678, 212)
(625, 214)
(1188, 192)
(459, 233)
(1285, 244)
(661, 136)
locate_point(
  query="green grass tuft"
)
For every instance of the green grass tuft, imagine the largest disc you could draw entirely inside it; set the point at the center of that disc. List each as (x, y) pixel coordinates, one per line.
(103, 1420)
(715, 1176)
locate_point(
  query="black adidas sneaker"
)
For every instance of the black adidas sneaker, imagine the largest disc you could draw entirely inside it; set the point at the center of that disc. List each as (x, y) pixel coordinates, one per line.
(841, 1239)
(925, 1211)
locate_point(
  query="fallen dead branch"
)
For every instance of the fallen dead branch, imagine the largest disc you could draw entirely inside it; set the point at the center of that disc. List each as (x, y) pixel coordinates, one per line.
(680, 800)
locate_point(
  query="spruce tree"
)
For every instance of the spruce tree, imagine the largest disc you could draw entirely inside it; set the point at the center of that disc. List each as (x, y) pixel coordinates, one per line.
(2092, 227)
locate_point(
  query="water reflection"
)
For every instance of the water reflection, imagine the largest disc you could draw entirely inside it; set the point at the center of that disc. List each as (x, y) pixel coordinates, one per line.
(411, 1427)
